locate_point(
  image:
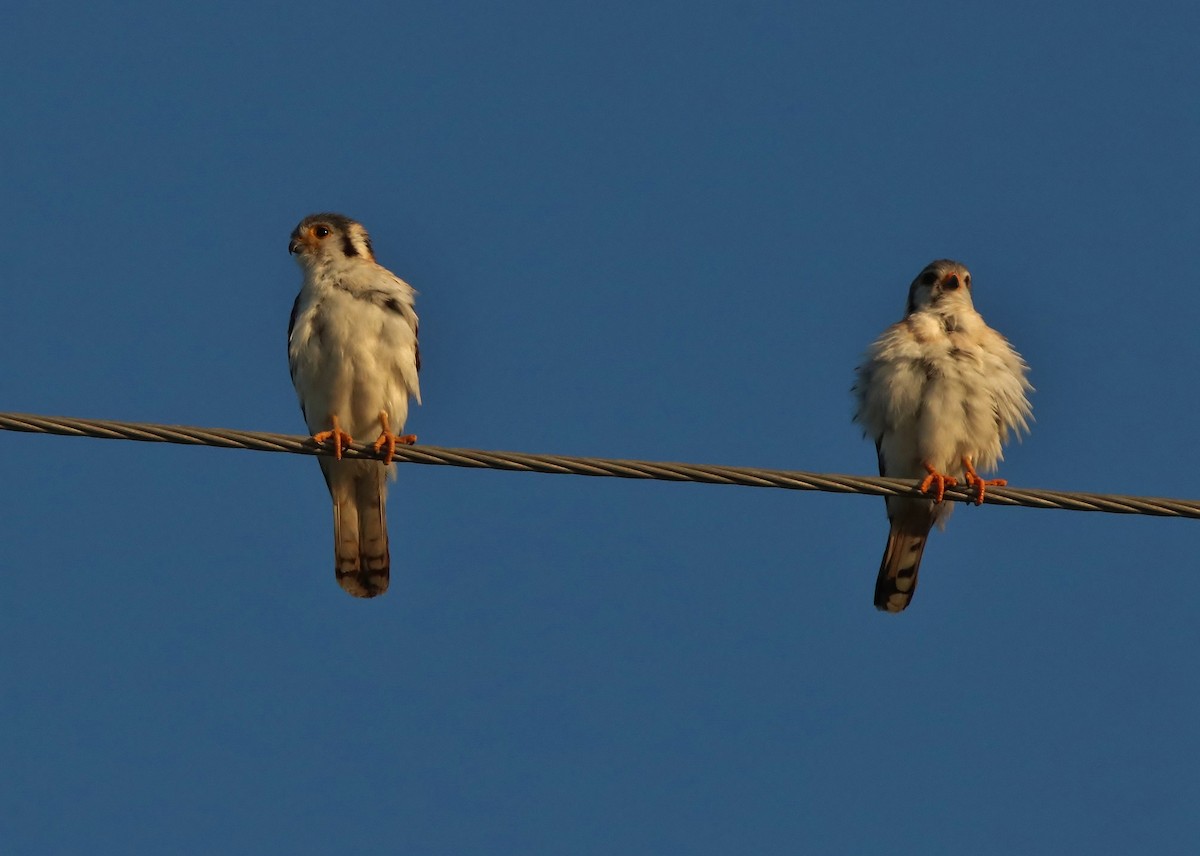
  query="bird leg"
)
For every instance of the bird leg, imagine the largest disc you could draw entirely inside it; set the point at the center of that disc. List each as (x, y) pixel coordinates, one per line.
(387, 438)
(941, 480)
(980, 484)
(341, 439)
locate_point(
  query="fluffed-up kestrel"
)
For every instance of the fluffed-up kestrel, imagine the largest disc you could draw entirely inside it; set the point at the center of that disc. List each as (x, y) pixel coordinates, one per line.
(354, 360)
(940, 392)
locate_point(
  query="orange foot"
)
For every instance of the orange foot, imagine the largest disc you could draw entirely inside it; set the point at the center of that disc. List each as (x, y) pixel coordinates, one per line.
(387, 438)
(341, 440)
(942, 481)
(980, 484)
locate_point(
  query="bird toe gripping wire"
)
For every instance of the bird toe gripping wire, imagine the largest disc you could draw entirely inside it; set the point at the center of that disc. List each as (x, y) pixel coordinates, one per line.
(606, 467)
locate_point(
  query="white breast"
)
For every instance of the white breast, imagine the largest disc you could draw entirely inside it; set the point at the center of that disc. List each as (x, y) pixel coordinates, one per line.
(933, 395)
(352, 356)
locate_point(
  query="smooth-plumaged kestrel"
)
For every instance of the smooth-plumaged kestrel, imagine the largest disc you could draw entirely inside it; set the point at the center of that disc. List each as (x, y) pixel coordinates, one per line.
(940, 392)
(354, 359)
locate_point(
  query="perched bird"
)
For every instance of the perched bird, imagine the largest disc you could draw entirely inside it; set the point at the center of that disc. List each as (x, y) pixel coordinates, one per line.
(353, 355)
(940, 392)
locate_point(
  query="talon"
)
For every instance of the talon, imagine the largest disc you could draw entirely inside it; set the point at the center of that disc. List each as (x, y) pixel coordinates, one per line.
(388, 439)
(341, 440)
(942, 481)
(980, 484)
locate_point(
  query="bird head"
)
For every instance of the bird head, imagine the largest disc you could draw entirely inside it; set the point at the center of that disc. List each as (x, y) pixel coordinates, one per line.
(943, 284)
(329, 237)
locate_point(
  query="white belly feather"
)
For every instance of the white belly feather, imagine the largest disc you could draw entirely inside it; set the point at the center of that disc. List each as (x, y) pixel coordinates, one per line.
(352, 358)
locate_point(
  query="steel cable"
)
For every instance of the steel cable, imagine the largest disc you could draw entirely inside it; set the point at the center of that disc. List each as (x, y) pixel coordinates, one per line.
(561, 464)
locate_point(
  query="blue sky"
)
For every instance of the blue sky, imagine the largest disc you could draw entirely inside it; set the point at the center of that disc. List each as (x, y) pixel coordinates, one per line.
(662, 231)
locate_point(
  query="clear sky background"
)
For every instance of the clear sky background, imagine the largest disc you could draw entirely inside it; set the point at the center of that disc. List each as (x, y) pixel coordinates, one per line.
(646, 230)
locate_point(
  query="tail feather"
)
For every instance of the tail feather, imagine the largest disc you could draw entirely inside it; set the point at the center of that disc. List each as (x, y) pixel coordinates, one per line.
(374, 557)
(360, 542)
(897, 580)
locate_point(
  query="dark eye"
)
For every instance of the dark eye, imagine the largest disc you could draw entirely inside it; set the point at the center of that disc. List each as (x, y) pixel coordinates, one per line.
(967, 280)
(928, 278)
(321, 231)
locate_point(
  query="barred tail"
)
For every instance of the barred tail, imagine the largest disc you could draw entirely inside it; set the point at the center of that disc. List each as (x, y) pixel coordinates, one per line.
(360, 540)
(897, 580)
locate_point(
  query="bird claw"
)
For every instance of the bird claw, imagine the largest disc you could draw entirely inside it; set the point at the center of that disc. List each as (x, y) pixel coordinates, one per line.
(387, 438)
(390, 440)
(980, 484)
(341, 440)
(941, 480)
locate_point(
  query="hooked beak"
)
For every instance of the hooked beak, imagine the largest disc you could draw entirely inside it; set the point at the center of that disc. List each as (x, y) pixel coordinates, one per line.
(293, 246)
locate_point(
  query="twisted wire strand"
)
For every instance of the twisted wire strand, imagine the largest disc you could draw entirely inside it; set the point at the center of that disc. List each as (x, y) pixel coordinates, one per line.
(562, 464)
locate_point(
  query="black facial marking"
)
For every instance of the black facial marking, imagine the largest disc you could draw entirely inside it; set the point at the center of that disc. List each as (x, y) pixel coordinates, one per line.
(391, 304)
(325, 224)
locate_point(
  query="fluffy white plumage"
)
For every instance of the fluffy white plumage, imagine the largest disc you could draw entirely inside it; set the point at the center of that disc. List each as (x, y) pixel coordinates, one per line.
(939, 391)
(354, 360)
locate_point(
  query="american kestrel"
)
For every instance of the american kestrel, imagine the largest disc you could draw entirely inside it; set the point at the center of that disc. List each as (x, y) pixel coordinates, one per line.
(353, 355)
(939, 392)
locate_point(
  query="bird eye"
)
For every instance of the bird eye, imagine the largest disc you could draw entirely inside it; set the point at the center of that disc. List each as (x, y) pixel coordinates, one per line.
(929, 277)
(321, 231)
(967, 280)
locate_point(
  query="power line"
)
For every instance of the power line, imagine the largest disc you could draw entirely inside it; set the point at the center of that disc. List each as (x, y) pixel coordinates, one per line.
(560, 464)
